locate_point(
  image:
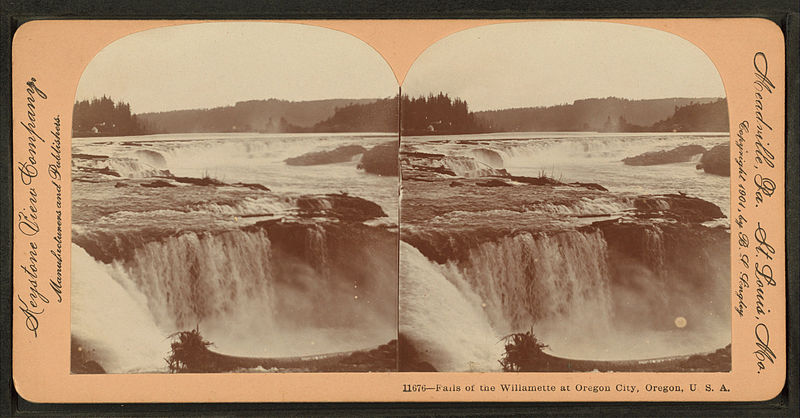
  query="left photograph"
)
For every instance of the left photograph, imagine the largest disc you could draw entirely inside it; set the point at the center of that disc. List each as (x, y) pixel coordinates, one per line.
(235, 203)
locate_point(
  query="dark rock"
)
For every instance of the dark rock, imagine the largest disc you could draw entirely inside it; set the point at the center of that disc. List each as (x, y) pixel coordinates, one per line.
(338, 155)
(437, 169)
(209, 181)
(384, 357)
(717, 160)
(254, 186)
(82, 359)
(493, 183)
(158, 183)
(340, 206)
(410, 358)
(105, 170)
(423, 155)
(89, 156)
(537, 181)
(121, 184)
(456, 184)
(590, 186)
(204, 181)
(676, 155)
(381, 159)
(677, 206)
(718, 361)
(92, 367)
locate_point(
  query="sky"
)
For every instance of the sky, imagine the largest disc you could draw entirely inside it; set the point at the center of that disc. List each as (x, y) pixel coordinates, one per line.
(492, 67)
(532, 64)
(217, 64)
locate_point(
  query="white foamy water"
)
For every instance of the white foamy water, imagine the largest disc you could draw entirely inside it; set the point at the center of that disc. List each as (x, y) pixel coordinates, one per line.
(444, 317)
(590, 158)
(111, 316)
(247, 158)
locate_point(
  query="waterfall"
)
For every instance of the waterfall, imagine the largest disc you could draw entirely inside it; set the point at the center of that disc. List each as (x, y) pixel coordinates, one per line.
(122, 167)
(443, 318)
(528, 277)
(190, 278)
(582, 298)
(458, 312)
(113, 320)
(468, 167)
(253, 297)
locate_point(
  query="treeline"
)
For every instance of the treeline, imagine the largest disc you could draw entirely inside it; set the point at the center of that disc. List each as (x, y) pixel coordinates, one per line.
(424, 115)
(610, 114)
(266, 116)
(378, 116)
(104, 117)
(437, 115)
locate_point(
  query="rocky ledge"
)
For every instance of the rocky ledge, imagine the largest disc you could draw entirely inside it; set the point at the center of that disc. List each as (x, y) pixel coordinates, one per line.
(676, 155)
(338, 155)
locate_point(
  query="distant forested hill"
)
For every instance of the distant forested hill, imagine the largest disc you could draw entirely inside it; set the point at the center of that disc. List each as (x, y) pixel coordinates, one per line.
(271, 115)
(697, 117)
(606, 114)
(424, 115)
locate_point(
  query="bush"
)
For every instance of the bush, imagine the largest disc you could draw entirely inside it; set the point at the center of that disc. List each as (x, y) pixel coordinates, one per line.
(523, 353)
(189, 352)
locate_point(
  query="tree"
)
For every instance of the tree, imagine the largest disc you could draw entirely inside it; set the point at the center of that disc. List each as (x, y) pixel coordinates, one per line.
(438, 114)
(104, 117)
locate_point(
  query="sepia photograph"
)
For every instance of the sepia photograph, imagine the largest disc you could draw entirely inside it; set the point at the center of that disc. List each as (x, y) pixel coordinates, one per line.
(565, 203)
(235, 203)
(478, 211)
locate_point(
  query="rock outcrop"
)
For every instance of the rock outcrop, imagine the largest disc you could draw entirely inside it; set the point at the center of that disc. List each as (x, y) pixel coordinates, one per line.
(717, 161)
(381, 159)
(676, 155)
(340, 206)
(338, 155)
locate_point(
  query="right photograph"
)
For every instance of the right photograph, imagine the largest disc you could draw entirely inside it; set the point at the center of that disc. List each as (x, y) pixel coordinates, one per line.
(565, 203)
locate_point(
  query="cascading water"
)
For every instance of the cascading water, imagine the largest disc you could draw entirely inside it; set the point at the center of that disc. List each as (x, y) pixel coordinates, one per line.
(191, 278)
(443, 318)
(181, 253)
(587, 157)
(527, 278)
(114, 322)
(560, 286)
(506, 286)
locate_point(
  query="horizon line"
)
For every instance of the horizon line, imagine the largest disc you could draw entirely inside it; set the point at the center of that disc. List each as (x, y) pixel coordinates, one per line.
(374, 99)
